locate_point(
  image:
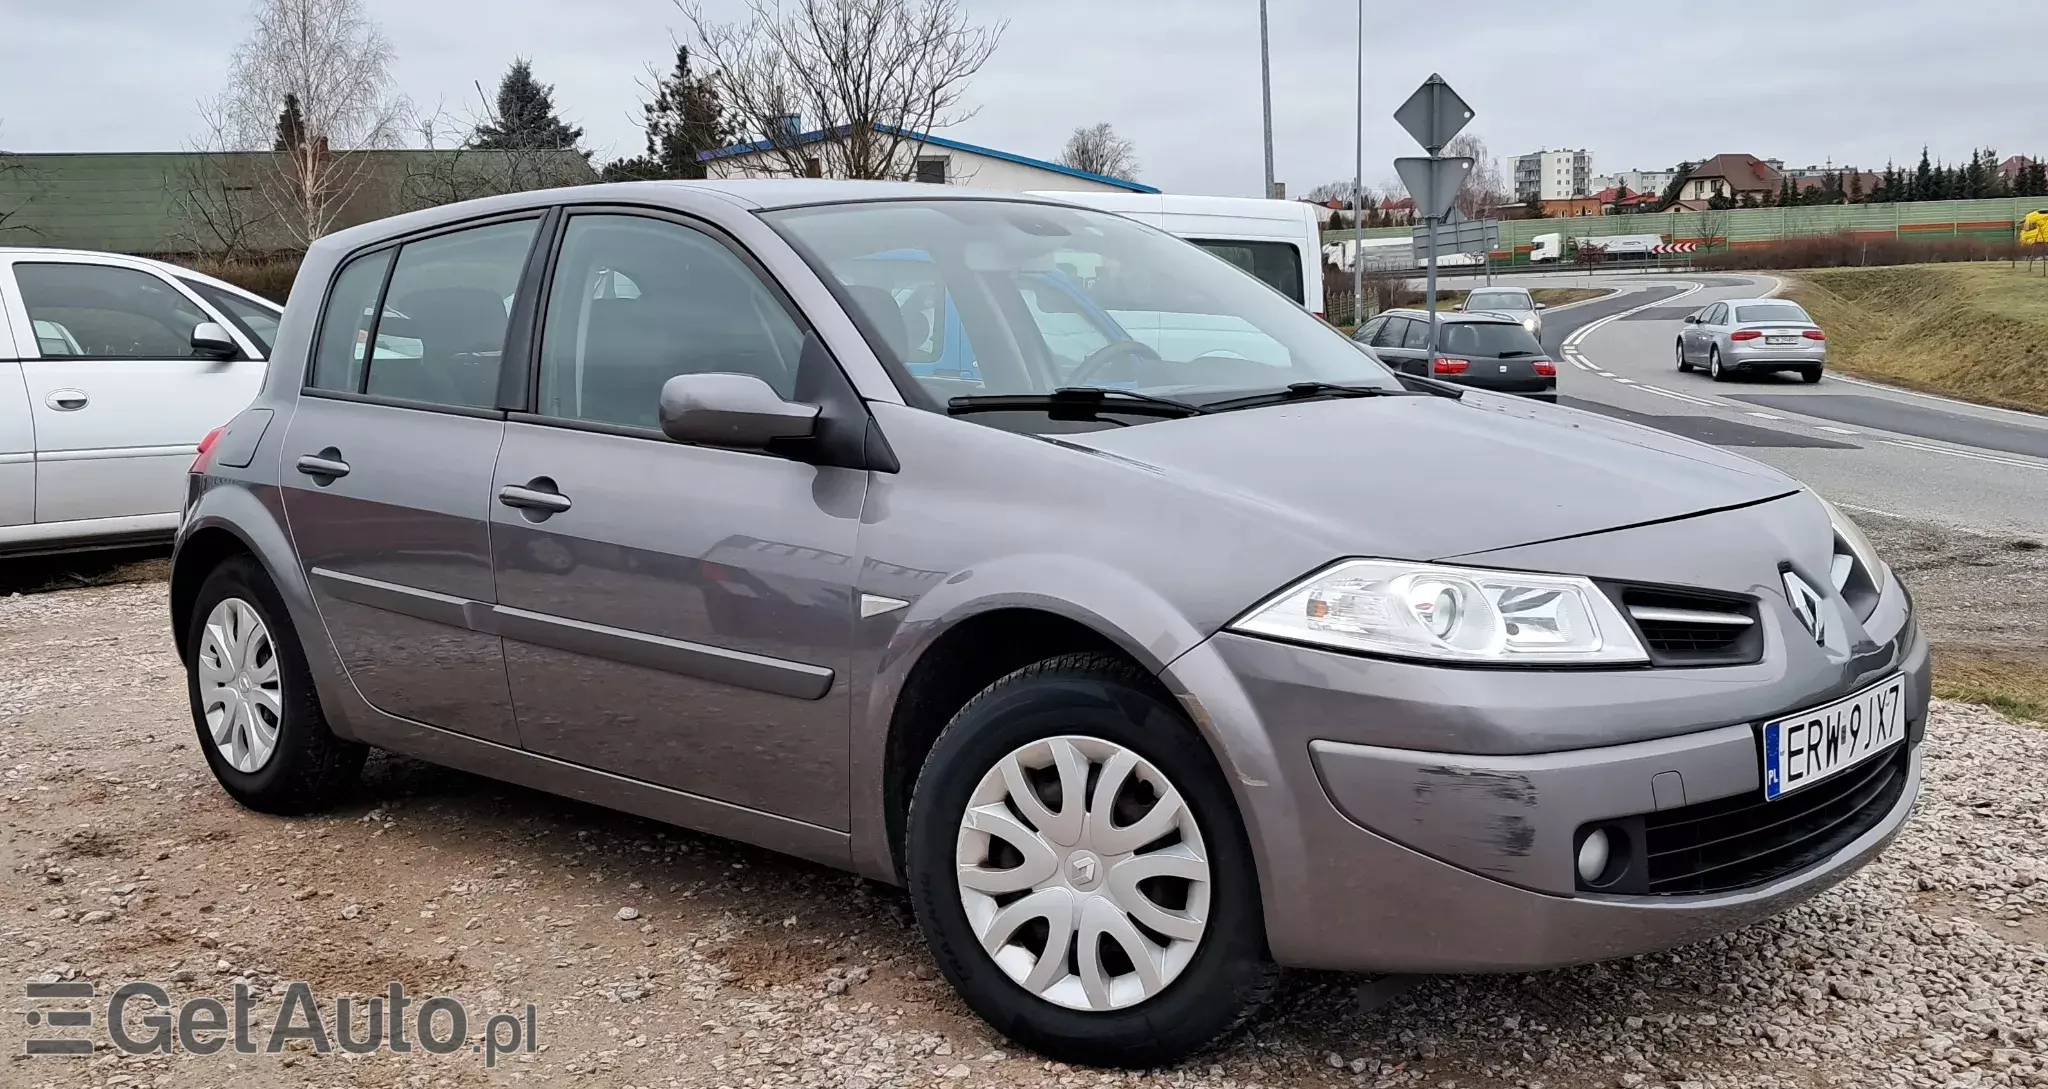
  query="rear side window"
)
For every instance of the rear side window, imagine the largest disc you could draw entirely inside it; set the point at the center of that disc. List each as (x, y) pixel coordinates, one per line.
(1488, 338)
(1777, 311)
(106, 312)
(1277, 263)
(440, 338)
(345, 324)
(1417, 336)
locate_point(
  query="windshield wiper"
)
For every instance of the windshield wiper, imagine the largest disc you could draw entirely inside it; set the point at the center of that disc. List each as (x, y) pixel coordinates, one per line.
(1076, 402)
(1301, 391)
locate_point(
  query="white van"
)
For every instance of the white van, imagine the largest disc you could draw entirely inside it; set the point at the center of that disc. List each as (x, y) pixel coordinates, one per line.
(1279, 241)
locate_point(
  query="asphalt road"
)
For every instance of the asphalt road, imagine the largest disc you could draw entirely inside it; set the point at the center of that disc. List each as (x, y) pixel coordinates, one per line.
(1864, 446)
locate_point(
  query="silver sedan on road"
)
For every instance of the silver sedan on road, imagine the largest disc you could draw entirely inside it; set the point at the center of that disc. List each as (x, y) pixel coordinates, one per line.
(1514, 302)
(1749, 335)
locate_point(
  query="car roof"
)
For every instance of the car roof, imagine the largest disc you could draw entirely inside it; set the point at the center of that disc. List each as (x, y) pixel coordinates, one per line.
(166, 267)
(1446, 317)
(1743, 302)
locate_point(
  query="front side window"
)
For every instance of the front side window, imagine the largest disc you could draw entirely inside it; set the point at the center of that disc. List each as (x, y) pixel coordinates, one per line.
(694, 308)
(1056, 297)
(255, 320)
(1278, 264)
(106, 312)
(1391, 333)
(441, 337)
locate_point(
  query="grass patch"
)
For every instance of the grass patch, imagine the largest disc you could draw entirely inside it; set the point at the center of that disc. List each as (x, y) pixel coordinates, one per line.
(1978, 332)
(2014, 682)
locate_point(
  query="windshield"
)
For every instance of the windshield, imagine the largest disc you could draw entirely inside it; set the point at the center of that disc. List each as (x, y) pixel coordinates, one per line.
(1487, 338)
(1499, 300)
(1770, 312)
(972, 297)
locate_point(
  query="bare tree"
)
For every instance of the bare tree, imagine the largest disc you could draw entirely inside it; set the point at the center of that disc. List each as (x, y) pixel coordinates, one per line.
(1097, 149)
(456, 168)
(330, 58)
(17, 189)
(1483, 190)
(218, 194)
(874, 76)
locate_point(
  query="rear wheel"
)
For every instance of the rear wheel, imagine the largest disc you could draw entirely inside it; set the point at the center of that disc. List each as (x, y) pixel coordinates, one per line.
(259, 720)
(1683, 365)
(1714, 369)
(1810, 375)
(1080, 872)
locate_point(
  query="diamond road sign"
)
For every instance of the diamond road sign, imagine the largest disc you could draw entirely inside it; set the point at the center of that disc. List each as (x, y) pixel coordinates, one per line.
(1434, 183)
(1434, 114)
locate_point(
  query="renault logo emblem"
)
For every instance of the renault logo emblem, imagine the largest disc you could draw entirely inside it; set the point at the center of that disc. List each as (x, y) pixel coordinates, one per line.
(1806, 605)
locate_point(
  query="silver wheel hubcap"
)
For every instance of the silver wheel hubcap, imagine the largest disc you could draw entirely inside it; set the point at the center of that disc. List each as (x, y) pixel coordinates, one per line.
(239, 690)
(1083, 873)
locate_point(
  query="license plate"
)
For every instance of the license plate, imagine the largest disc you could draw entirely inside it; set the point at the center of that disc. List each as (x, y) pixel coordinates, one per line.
(1803, 749)
(1785, 341)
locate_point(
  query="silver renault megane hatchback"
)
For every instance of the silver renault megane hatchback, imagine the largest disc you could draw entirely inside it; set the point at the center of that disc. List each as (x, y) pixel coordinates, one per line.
(1048, 566)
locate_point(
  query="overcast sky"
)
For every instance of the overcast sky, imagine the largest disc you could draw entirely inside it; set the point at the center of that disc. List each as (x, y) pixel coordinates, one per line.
(1801, 80)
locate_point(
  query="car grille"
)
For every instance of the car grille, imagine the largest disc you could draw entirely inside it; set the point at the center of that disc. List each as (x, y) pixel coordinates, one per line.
(1739, 842)
(1681, 628)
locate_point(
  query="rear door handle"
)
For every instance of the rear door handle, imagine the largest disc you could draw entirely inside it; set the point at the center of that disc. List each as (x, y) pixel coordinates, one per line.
(324, 466)
(538, 495)
(66, 400)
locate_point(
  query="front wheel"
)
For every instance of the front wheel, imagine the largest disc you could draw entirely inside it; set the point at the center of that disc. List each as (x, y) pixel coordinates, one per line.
(1080, 872)
(258, 717)
(1684, 365)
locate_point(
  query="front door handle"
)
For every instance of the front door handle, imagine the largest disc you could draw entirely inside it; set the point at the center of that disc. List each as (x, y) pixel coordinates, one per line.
(325, 466)
(538, 497)
(66, 400)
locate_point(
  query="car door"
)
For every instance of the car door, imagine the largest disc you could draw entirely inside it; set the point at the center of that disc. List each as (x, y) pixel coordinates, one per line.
(118, 398)
(17, 434)
(1711, 328)
(1387, 343)
(673, 613)
(387, 471)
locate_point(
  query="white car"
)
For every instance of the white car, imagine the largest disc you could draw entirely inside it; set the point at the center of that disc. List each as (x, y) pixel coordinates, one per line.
(112, 369)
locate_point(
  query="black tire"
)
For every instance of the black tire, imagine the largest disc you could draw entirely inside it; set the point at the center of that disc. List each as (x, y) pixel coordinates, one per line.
(1683, 366)
(1714, 368)
(1230, 975)
(1810, 375)
(309, 767)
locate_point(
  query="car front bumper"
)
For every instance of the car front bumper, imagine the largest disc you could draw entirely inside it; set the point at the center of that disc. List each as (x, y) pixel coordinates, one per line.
(1393, 858)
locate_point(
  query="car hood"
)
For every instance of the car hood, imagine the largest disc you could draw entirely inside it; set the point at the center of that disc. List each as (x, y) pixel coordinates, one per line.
(1430, 477)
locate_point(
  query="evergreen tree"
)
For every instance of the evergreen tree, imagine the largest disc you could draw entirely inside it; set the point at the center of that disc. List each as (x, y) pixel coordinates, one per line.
(1923, 179)
(1677, 186)
(684, 119)
(1973, 183)
(1888, 189)
(2037, 178)
(1855, 194)
(291, 125)
(525, 118)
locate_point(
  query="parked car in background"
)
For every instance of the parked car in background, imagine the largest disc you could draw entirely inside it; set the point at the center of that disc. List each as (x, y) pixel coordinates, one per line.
(1512, 302)
(1486, 350)
(1278, 241)
(1747, 336)
(112, 369)
(1147, 674)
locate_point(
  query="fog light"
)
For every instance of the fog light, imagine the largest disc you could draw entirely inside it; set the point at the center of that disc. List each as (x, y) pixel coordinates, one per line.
(1593, 855)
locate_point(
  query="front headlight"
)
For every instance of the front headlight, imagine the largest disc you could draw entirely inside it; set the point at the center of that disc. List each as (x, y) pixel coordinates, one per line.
(1452, 614)
(1850, 534)
(1529, 323)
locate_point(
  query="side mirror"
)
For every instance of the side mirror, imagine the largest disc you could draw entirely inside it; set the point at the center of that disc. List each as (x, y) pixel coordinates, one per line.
(210, 341)
(732, 410)
(1692, 319)
(1542, 306)
(1458, 306)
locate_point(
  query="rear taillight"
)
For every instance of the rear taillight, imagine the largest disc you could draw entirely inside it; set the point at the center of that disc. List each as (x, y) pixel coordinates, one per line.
(1744, 334)
(206, 445)
(1452, 366)
(1814, 334)
(1546, 368)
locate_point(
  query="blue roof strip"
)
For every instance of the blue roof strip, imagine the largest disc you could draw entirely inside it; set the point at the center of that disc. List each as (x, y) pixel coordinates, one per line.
(816, 135)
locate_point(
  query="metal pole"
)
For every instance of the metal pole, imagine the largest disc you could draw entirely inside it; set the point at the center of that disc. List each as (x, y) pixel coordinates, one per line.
(1358, 190)
(1429, 368)
(1266, 91)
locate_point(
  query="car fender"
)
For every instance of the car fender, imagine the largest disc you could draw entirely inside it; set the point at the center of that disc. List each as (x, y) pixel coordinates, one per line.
(254, 515)
(1113, 603)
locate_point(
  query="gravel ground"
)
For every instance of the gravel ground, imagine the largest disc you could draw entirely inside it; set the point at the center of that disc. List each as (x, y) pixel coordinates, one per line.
(657, 957)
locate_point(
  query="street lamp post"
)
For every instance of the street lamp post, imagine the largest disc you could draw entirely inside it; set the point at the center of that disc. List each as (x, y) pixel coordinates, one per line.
(1266, 93)
(1358, 189)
